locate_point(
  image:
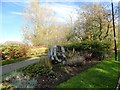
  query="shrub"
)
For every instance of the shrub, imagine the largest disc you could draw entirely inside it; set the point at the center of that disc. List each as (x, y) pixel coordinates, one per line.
(41, 68)
(15, 79)
(79, 46)
(98, 49)
(37, 51)
(22, 51)
(76, 61)
(7, 87)
(88, 56)
(14, 51)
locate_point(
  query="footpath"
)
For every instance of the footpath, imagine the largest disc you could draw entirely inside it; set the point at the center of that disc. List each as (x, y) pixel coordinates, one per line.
(11, 67)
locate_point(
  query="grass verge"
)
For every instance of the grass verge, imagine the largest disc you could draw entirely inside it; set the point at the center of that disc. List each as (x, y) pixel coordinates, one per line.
(113, 55)
(5, 62)
(103, 75)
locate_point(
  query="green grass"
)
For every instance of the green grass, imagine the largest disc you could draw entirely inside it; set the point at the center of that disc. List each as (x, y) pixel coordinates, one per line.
(113, 55)
(103, 75)
(118, 55)
(5, 62)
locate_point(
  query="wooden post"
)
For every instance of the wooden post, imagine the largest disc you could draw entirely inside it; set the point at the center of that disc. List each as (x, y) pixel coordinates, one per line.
(115, 47)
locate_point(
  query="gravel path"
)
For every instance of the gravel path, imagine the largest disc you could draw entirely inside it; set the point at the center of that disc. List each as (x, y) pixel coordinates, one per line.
(10, 67)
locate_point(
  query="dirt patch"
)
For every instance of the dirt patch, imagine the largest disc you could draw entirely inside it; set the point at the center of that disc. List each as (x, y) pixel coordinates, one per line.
(61, 73)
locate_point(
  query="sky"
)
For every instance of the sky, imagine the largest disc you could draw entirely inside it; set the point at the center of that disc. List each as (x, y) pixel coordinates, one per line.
(11, 16)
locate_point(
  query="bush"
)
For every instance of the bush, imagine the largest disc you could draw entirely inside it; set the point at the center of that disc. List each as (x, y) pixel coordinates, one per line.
(37, 51)
(76, 61)
(96, 48)
(13, 80)
(100, 49)
(7, 87)
(14, 51)
(80, 46)
(41, 68)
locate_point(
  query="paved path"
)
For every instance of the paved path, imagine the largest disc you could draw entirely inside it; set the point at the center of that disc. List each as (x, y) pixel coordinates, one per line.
(118, 85)
(11, 67)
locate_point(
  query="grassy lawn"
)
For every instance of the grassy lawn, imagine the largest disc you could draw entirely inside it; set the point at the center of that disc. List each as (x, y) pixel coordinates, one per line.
(118, 55)
(103, 75)
(113, 55)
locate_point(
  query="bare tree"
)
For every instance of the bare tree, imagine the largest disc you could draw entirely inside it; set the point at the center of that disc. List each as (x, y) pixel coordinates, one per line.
(41, 27)
(95, 21)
